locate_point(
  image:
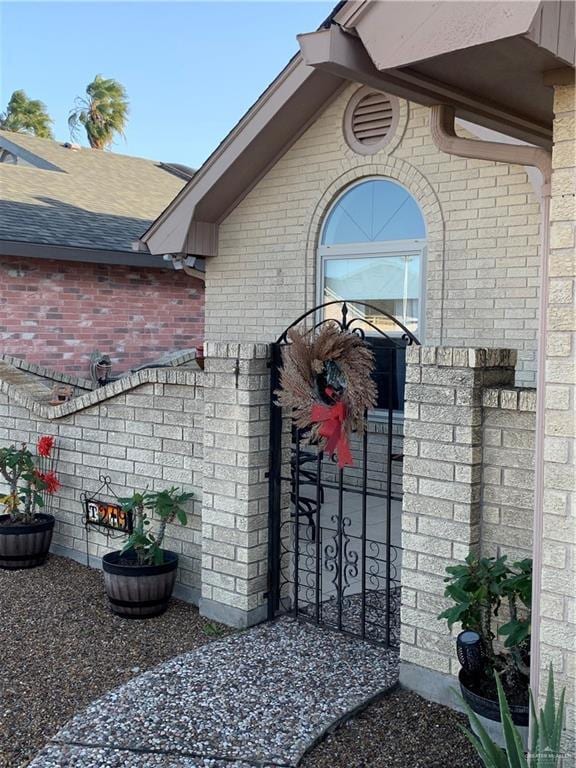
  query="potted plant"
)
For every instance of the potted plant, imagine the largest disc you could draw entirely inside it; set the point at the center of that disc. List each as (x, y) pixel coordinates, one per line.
(140, 577)
(479, 588)
(25, 532)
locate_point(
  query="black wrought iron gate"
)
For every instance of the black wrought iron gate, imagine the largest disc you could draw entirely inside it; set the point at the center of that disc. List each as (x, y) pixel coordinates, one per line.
(334, 534)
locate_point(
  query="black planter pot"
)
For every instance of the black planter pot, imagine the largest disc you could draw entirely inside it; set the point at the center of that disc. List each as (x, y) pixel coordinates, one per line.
(25, 546)
(489, 708)
(138, 591)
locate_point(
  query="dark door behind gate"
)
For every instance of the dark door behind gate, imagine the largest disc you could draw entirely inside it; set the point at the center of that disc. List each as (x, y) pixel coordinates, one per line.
(334, 535)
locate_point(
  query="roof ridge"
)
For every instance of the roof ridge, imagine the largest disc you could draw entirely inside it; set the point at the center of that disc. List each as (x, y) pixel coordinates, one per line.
(21, 139)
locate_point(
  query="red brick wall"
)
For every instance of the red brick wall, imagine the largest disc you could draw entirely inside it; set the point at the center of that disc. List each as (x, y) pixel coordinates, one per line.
(55, 313)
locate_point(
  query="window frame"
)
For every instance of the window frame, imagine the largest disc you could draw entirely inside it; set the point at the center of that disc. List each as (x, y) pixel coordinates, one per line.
(374, 251)
(366, 250)
(382, 248)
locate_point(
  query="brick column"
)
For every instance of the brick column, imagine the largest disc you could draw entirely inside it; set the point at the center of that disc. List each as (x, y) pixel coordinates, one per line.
(235, 488)
(442, 495)
(558, 545)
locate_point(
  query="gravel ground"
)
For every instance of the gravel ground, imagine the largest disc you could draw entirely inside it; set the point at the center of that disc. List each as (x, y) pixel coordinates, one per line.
(61, 648)
(402, 730)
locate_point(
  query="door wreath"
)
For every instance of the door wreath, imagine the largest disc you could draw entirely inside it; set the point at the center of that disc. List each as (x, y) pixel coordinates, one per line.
(326, 381)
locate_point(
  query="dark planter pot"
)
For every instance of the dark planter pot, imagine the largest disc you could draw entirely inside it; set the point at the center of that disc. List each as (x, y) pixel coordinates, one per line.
(25, 546)
(489, 708)
(138, 591)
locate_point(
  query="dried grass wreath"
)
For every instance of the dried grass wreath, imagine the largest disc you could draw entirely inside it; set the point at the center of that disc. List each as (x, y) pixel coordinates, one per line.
(326, 380)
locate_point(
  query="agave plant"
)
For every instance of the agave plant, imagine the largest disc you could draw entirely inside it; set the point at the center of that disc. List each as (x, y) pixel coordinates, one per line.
(545, 747)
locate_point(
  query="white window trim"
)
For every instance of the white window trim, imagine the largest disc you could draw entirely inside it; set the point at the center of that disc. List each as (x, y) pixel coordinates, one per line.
(388, 247)
(376, 250)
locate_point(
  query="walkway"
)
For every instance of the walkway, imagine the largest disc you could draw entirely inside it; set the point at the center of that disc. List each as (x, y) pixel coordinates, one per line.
(261, 698)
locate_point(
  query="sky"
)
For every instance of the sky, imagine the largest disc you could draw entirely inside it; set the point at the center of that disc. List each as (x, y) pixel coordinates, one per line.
(191, 69)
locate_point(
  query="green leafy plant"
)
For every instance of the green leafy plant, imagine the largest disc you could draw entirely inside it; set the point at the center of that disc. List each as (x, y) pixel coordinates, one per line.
(28, 481)
(517, 589)
(168, 506)
(545, 747)
(212, 630)
(478, 587)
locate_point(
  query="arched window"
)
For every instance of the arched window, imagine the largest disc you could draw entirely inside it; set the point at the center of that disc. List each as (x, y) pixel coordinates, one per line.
(372, 249)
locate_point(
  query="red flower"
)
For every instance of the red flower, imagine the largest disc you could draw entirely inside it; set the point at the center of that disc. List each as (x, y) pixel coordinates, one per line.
(45, 445)
(50, 480)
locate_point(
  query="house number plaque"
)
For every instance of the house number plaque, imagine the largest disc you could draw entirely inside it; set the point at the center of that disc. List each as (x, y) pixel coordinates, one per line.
(107, 515)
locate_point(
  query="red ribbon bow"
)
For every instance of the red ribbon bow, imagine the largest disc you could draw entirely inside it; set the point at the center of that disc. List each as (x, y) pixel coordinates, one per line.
(331, 419)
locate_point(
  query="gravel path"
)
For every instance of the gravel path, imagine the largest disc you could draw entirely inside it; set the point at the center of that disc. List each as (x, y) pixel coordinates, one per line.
(60, 648)
(68, 756)
(262, 696)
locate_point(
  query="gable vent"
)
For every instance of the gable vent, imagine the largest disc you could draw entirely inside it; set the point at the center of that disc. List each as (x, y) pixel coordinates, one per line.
(370, 120)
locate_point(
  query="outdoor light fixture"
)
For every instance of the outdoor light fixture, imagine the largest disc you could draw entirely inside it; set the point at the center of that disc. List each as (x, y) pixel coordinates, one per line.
(470, 651)
(61, 393)
(193, 266)
(100, 368)
(180, 262)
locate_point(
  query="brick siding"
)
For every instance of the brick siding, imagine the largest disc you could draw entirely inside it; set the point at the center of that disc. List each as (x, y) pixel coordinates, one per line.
(508, 427)
(558, 603)
(55, 313)
(483, 239)
(236, 461)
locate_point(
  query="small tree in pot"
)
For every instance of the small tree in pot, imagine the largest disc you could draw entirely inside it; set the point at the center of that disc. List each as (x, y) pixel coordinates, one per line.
(479, 588)
(25, 532)
(139, 578)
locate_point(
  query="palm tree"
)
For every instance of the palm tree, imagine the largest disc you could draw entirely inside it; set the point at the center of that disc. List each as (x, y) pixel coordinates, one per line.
(24, 115)
(103, 113)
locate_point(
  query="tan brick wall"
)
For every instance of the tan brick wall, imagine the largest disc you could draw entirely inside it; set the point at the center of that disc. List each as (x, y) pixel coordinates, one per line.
(508, 426)
(462, 488)
(144, 431)
(558, 602)
(482, 218)
(235, 501)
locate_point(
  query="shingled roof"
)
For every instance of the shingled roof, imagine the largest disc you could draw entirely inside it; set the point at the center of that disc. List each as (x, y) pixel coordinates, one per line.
(61, 195)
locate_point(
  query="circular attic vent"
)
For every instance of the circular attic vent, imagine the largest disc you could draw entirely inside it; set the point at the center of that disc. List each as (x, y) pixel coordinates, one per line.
(370, 120)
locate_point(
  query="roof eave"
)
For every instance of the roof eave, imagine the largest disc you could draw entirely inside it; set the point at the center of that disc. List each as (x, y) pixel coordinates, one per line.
(53, 252)
(150, 236)
(329, 59)
(342, 54)
(281, 114)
